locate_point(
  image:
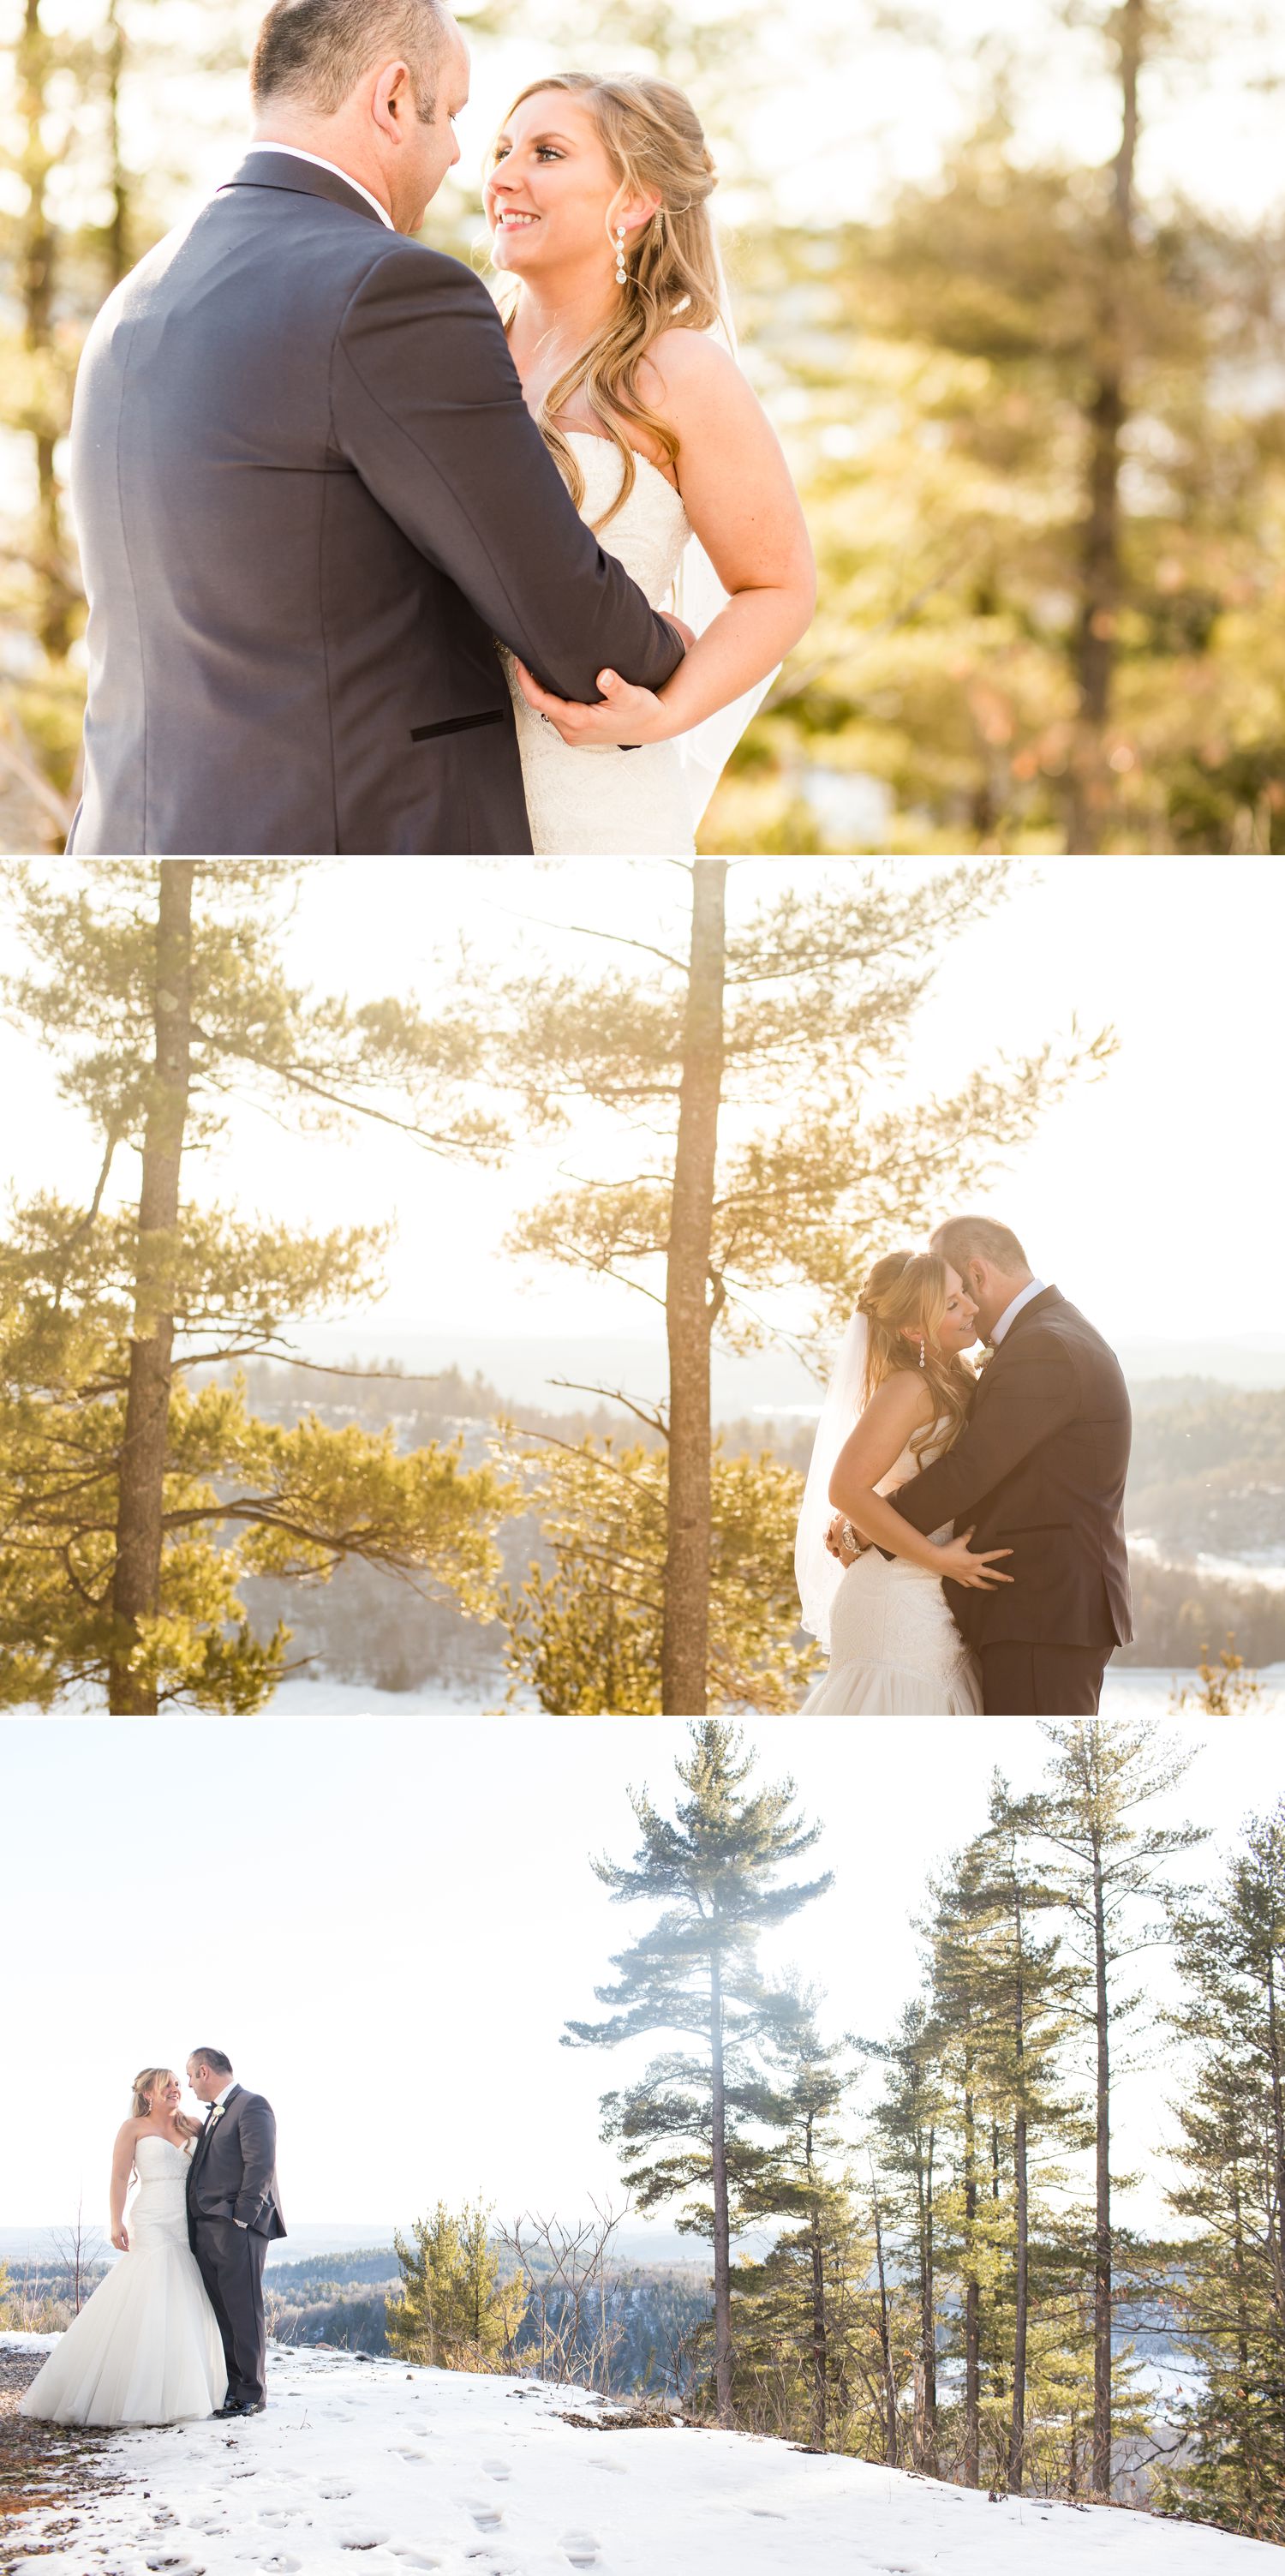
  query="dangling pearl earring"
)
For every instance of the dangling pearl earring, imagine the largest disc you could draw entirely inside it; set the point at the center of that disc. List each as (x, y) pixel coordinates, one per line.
(922, 1361)
(622, 274)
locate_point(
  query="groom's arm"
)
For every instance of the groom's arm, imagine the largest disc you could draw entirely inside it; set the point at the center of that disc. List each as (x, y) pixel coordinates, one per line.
(1035, 1396)
(427, 407)
(257, 2131)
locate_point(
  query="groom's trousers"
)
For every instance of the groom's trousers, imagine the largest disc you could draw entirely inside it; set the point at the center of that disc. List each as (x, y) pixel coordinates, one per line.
(230, 2260)
(1020, 1680)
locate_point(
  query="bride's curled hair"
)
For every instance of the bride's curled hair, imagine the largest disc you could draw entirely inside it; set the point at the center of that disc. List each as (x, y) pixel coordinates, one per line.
(909, 1289)
(655, 143)
(145, 2086)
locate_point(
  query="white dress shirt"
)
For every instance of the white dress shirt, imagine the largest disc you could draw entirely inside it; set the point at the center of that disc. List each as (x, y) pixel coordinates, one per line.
(349, 182)
(1033, 1288)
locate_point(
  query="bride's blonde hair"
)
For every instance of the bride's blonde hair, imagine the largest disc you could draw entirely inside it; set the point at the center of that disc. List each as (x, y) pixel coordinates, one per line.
(145, 2084)
(910, 1288)
(655, 143)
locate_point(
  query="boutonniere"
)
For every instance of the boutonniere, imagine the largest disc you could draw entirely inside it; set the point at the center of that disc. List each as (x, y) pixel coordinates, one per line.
(985, 1356)
(217, 2112)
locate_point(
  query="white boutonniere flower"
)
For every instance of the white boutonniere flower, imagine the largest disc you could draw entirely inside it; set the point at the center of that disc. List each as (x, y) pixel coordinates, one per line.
(217, 2112)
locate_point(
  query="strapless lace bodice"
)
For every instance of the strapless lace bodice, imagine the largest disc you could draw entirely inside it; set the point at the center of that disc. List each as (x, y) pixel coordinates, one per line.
(606, 801)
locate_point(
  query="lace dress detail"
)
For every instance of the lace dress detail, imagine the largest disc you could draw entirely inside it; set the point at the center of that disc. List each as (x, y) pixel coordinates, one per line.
(145, 2347)
(605, 802)
(894, 1648)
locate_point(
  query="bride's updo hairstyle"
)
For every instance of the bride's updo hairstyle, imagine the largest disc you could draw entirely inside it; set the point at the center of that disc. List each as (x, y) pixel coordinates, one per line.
(909, 1288)
(655, 143)
(146, 2083)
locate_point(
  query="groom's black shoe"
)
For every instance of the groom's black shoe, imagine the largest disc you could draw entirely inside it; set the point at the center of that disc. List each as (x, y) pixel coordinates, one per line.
(244, 2406)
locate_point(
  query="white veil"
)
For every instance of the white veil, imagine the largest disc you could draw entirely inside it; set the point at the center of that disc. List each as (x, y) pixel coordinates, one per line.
(817, 1573)
(699, 597)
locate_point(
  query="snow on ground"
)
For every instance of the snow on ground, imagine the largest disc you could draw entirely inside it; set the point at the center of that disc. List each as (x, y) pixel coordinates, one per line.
(397, 2469)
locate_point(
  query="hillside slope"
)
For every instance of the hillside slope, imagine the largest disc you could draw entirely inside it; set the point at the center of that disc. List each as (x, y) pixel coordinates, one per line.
(370, 2464)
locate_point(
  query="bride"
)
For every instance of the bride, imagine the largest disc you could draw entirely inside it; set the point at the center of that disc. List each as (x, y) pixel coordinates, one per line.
(145, 2348)
(598, 206)
(898, 1399)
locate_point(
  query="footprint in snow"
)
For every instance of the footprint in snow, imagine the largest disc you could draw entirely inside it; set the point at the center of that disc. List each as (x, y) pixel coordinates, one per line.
(281, 2563)
(364, 2536)
(488, 2517)
(581, 2548)
(496, 2469)
(335, 2495)
(280, 2514)
(171, 2559)
(416, 2557)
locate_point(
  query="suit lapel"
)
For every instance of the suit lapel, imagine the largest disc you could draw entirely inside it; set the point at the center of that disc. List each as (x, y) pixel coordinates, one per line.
(209, 2129)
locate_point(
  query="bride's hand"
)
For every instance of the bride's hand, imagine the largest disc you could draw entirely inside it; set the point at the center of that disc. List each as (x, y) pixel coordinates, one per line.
(626, 717)
(978, 1573)
(120, 2240)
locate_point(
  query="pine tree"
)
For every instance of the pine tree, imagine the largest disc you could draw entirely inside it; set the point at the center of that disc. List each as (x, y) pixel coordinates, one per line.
(907, 2123)
(454, 2310)
(688, 2127)
(1112, 1875)
(1229, 2277)
(803, 2293)
(159, 989)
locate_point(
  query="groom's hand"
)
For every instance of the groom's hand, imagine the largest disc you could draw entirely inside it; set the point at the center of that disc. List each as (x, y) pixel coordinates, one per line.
(625, 717)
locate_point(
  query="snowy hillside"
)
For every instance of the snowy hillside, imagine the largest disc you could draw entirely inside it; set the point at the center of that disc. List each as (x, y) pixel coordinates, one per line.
(401, 2469)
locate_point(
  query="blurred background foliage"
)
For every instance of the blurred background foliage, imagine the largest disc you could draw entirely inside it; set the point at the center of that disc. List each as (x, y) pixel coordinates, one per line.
(1032, 393)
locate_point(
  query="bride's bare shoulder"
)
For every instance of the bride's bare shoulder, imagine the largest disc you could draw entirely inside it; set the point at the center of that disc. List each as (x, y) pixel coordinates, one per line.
(902, 1399)
(688, 371)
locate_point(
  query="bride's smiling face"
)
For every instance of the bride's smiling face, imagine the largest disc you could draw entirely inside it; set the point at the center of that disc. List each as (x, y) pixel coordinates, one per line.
(552, 197)
(166, 2098)
(957, 1330)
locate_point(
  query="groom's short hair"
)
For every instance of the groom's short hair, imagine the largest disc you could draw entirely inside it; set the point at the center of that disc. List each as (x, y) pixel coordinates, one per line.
(314, 52)
(979, 1238)
(214, 2058)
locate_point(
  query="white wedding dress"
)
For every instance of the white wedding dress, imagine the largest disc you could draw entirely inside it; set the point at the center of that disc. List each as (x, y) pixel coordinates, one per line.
(603, 802)
(894, 1648)
(145, 2347)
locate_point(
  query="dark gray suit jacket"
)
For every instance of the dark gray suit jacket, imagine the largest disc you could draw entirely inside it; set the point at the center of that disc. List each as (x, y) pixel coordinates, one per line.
(233, 2172)
(1040, 1468)
(309, 495)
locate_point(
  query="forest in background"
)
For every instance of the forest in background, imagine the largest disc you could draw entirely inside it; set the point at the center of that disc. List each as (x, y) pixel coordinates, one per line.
(1036, 412)
(1206, 1481)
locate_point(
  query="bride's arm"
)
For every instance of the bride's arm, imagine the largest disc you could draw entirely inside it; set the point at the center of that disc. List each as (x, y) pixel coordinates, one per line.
(738, 495)
(122, 2168)
(897, 1409)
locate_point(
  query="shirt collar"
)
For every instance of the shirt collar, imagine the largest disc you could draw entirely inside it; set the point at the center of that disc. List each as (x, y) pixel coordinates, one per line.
(1033, 1288)
(318, 164)
(221, 2099)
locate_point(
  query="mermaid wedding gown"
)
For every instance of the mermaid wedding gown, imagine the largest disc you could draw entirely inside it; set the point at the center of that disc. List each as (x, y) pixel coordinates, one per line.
(894, 1648)
(603, 802)
(145, 2347)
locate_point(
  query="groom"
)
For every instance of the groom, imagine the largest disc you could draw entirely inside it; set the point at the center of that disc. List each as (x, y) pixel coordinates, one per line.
(309, 494)
(232, 2213)
(1039, 1468)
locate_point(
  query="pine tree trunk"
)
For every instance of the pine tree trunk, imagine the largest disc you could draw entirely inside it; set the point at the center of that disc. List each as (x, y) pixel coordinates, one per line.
(689, 1307)
(820, 2427)
(722, 2230)
(1100, 564)
(38, 259)
(885, 2345)
(140, 1505)
(972, 2319)
(1276, 2215)
(1017, 2438)
(928, 2315)
(1101, 2485)
(1021, 2194)
(118, 227)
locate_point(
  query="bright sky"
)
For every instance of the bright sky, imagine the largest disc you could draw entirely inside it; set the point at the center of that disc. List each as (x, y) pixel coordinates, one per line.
(384, 1924)
(846, 111)
(1143, 1194)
